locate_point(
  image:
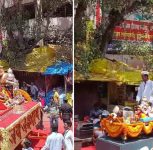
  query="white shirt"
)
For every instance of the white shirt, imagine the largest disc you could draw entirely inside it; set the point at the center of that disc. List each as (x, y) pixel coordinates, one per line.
(55, 141)
(68, 140)
(27, 148)
(34, 89)
(41, 94)
(145, 90)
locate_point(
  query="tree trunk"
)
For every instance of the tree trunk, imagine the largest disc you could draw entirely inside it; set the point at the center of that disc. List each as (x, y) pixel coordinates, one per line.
(115, 18)
(38, 18)
(79, 22)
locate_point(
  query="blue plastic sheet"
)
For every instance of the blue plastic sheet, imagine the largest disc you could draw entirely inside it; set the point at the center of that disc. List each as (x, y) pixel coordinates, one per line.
(48, 97)
(60, 68)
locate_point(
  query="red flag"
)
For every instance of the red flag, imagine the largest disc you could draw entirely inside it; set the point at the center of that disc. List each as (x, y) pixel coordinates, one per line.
(98, 13)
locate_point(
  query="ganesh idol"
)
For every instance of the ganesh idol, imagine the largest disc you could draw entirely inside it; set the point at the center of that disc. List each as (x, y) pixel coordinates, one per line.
(7, 80)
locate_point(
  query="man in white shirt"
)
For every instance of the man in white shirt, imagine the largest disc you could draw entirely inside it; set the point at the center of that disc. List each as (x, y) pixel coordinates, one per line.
(55, 141)
(146, 88)
(68, 136)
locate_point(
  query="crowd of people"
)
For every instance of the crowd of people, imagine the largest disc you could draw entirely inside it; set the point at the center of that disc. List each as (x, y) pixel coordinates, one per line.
(56, 140)
(55, 109)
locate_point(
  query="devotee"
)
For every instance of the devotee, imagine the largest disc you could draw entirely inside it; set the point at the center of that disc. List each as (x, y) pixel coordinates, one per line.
(41, 93)
(65, 111)
(26, 144)
(68, 136)
(34, 90)
(97, 129)
(41, 97)
(95, 112)
(55, 141)
(146, 88)
(54, 115)
(56, 96)
(24, 87)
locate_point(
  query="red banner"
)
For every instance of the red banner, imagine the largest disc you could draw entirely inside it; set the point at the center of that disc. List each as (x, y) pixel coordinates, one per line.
(98, 13)
(134, 31)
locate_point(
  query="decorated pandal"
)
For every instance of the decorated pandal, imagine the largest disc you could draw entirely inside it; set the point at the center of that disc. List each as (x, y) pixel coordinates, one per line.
(18, 113)
(129, 124)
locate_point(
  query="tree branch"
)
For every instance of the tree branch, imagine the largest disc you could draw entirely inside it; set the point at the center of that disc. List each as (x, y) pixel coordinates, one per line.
(115, 18)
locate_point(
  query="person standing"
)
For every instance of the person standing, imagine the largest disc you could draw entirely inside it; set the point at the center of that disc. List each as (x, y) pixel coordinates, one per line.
(145, 89)
(41, 93)
(24, 87)
(65, 111)
(56, 96)
(68, 136)
(55, 141)
(34, 91)
(54, 115)
(41, 97)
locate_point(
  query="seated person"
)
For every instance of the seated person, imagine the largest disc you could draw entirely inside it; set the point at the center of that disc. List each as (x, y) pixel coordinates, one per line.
(97, 130)
(95, 112)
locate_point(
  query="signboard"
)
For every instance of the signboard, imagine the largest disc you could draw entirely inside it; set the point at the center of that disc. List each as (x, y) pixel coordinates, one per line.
(134, 31)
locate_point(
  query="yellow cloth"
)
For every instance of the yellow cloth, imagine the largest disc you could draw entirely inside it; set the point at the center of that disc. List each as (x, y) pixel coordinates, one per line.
(56, 96)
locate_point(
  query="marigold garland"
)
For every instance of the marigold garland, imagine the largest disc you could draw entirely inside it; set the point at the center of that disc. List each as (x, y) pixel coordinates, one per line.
(113, 129)
(147, 129)
(25, 95)
(116, 128)
(134, 130)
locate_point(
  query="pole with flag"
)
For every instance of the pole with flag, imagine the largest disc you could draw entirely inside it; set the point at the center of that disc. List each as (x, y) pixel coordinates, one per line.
(98, 13)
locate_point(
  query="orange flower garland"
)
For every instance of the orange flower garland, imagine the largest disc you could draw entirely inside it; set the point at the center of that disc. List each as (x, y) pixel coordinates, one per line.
(116, 128)
(134, 130)
(113, 129)
(147, 129)
(25, 95)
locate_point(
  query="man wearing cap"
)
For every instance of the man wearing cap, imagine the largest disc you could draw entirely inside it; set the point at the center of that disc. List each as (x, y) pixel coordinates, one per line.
(146, 88)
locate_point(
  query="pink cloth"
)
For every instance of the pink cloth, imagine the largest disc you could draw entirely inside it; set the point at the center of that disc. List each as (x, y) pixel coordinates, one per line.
(42, 102)
(13, 117)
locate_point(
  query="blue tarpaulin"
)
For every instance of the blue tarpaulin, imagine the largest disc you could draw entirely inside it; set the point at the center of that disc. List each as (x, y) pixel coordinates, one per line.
(60, 68)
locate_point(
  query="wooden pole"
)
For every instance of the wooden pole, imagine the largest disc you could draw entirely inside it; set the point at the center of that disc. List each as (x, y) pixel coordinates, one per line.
(65, 84)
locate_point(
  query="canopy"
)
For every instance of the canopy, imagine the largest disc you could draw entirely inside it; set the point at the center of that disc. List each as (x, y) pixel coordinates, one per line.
(60, 68)
(39, 59)
(35, 61)
(107, 70)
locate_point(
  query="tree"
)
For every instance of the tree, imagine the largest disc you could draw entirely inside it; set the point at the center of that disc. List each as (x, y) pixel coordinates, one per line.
(21, 37)
(140, 50)
(114, 13)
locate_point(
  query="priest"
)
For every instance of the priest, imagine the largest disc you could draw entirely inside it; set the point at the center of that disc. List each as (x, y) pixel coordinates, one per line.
(145, 89)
